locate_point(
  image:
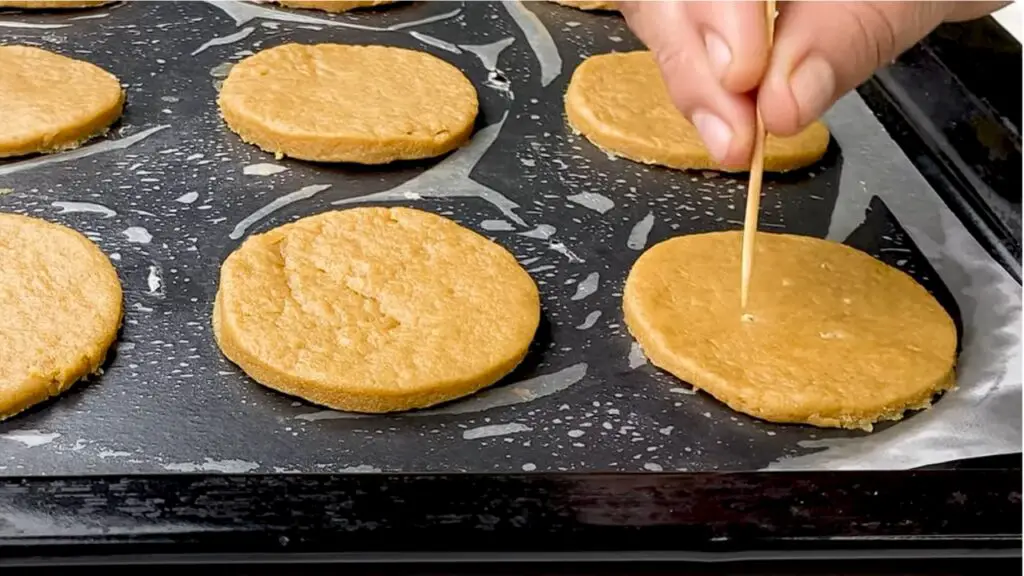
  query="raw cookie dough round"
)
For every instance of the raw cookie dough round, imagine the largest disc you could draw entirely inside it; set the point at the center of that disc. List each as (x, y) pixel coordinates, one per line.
(833, 337)
(375, 309)
(341, 103)
(60, 309)
(620, 103)
(333, 5)
(588, 4)
(52, 4)
(50, 102)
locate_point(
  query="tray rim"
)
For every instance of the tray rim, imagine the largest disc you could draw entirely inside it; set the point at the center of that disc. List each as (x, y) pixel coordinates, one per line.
(369, 517)
(959, 169)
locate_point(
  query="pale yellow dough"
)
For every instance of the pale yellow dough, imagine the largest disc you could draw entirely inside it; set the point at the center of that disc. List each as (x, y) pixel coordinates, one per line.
(342, 103)
(620, 103)
(375, 309)
(52, 4)
(50, 102)
(834, 337)
(334, 5)
(588, 4)
(60, 310)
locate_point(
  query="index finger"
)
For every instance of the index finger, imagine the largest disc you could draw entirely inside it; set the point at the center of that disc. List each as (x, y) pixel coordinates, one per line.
(736, 40)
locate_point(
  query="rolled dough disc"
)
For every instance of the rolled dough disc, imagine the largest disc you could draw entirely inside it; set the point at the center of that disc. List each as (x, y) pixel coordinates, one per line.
(52, 4)
(588, 4)
(620, 103)
(60, 309)
(333, 5)
(375, 309)
(340, 103)
(834, 338)
(50, 102)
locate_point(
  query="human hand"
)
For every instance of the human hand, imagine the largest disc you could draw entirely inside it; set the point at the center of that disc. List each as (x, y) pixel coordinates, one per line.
(713, 55)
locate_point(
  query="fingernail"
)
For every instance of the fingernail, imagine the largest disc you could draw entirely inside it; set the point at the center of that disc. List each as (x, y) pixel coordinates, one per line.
(715, 133)
(813, 84)
(719, 54)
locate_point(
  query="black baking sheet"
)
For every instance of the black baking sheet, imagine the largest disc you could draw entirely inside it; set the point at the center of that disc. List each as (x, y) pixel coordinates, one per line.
(176, 196)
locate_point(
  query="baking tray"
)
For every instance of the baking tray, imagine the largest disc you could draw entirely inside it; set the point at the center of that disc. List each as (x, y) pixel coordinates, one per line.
(171, 192)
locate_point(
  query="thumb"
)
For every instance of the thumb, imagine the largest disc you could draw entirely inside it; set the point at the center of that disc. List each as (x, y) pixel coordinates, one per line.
(824, 49)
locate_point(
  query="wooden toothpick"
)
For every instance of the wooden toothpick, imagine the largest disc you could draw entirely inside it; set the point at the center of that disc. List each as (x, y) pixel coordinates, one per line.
(754, 188)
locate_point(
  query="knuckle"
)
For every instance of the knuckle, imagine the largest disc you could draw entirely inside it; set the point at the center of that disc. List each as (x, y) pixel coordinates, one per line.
(674, 64)
(875, 32)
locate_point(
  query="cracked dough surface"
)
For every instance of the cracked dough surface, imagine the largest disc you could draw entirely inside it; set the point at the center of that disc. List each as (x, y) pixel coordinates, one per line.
(51, 4)
(375, 309)
(588, 4)
(346, 103)
(837, 338)
(333, 5)
(50, 102)
(620, 103)
(60, 310)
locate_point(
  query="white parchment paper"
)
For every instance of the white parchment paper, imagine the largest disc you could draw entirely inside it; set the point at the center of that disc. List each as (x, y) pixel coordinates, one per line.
(982, 416)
